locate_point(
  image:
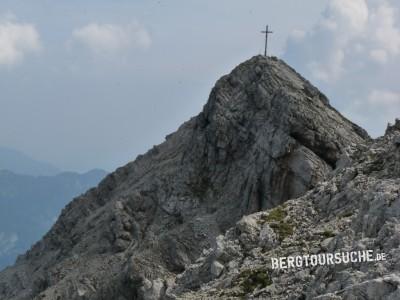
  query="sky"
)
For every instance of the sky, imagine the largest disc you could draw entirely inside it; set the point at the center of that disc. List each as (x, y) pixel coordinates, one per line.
(92, 84)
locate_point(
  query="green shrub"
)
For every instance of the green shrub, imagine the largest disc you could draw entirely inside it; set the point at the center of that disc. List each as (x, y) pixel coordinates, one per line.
(328, 234)
(252, 279)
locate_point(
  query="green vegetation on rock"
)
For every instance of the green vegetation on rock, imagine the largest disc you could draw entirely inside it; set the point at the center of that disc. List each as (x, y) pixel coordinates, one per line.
(328, 234)
(276, 218)
(252, 279)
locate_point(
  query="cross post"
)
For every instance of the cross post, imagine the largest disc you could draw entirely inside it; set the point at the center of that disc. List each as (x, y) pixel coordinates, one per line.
(266, 39)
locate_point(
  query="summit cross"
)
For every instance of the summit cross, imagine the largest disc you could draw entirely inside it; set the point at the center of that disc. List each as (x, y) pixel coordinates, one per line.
(266, 39)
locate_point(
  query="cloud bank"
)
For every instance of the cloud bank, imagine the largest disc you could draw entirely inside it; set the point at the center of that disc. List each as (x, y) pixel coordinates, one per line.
(112, 38)
(16, 41)
(353, 52)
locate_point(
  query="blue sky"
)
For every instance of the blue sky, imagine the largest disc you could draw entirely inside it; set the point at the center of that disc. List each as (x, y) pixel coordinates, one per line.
(94, 83)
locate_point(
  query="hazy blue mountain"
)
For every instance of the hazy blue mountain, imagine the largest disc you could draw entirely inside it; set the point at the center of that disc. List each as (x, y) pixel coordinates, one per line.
(21, 163)
(29, 205)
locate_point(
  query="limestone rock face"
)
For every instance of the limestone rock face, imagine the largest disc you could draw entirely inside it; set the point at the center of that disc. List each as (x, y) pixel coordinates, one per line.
(357, 208)
(265, 136)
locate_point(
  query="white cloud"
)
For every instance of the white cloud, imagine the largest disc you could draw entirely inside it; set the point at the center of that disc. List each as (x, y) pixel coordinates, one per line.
(7, 242)
(379, 55)
(351, 16)
(331, 68)
(17, 40)
(384, 99)
(384, 30)
(297, 34)
(353, 54)
(112, 38)
(368, 24)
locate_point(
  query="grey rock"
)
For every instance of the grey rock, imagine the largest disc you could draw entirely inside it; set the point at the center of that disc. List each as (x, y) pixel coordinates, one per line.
(396, 140)
(216, 269)
(325, 243)
(267, 238)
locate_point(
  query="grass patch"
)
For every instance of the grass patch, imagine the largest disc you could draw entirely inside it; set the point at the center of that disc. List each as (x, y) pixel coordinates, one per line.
(347, 214)
(283, 229)
(252, 279)
(328, 234)
(276, 218)
(276, 215)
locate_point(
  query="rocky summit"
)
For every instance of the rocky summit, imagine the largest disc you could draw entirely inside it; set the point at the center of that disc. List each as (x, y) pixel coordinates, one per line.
(268, 169)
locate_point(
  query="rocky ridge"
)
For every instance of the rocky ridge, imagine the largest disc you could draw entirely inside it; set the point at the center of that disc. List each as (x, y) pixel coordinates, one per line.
(357, 208)
(266, 135)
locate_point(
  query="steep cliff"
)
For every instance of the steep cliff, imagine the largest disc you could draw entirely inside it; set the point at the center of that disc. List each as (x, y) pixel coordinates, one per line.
(265, 136)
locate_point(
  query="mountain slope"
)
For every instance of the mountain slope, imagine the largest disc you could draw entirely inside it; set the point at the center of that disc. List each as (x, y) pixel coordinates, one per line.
(29, 206)
(20, 163)
(356, 209)
(266, 135)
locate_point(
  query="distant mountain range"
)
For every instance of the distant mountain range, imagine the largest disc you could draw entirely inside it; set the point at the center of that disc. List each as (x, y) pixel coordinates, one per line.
(31, 202)
(21, 163)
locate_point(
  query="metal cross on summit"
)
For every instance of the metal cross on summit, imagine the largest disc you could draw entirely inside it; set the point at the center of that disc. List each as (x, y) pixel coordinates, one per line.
(266, 39)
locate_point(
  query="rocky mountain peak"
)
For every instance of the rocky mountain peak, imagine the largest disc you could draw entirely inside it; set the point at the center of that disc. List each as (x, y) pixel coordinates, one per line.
(269, 75)
(266, 94)
(265, 136)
